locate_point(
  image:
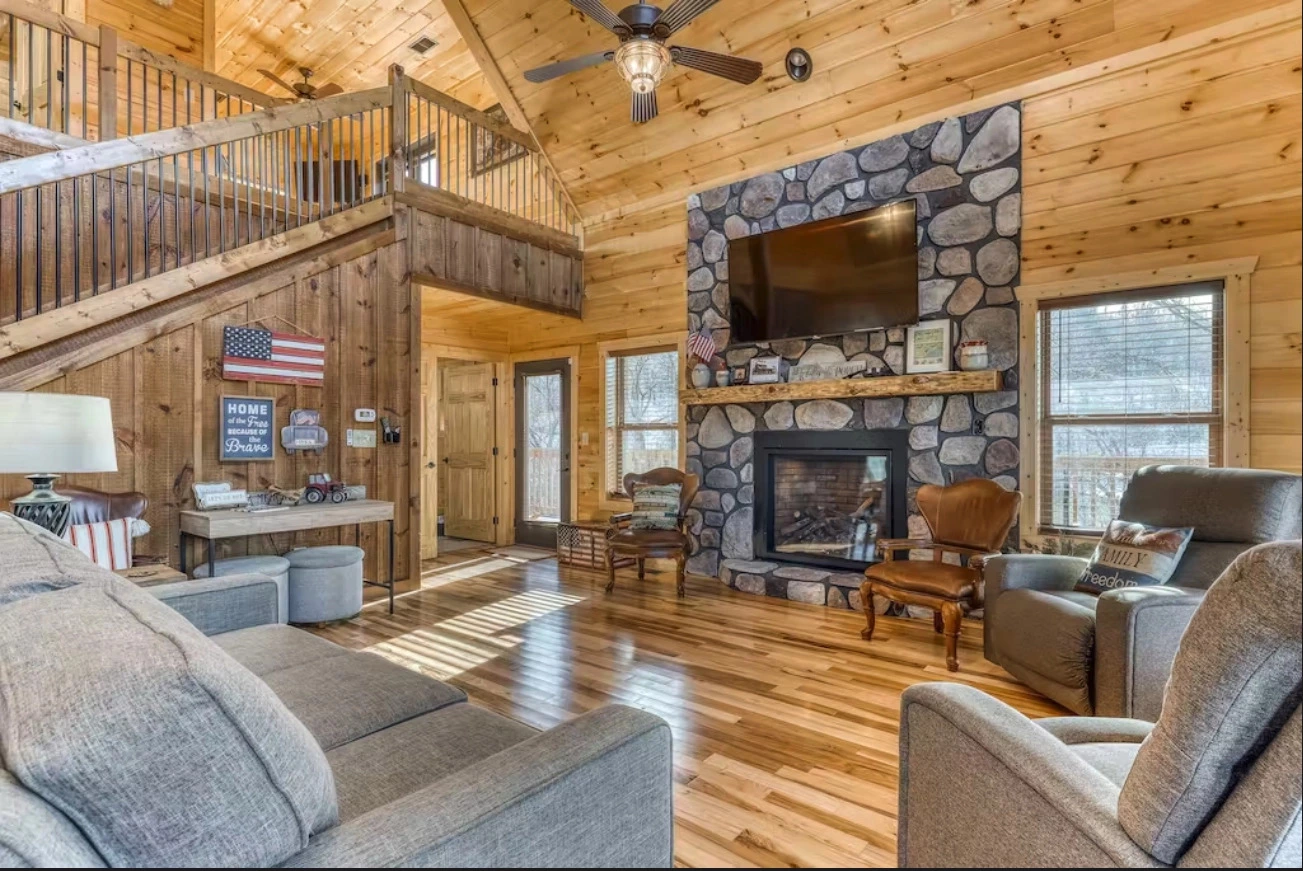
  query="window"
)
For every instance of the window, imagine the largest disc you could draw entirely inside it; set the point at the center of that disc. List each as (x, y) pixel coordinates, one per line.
(426, 170)
(1126, 380)
(642, 414)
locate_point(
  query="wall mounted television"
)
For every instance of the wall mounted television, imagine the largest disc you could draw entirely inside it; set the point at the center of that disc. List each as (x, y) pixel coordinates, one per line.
(838, 275)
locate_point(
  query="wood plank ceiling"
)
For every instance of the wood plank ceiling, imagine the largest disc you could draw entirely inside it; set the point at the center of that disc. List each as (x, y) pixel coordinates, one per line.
(349, 42)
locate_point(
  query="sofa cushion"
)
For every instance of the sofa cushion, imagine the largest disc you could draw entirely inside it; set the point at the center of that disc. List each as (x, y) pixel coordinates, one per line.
(1133, 555)
(37, 561)
(387, 765)
(342, 698)
(159, 747)
(935, 579)
(1052, 634)
(1235, 681)
(273, 647)
(34, 834)
(1111, 759)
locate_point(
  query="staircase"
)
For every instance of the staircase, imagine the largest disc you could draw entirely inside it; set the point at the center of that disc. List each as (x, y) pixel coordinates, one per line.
(129, 180)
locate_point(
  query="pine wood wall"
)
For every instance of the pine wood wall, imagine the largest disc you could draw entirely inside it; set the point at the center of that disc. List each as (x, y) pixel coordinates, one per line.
(165, 396)
(1153, 163)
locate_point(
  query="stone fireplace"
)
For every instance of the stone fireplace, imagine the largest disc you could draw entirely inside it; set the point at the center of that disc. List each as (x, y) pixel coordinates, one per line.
(825, 498)
(965, 175)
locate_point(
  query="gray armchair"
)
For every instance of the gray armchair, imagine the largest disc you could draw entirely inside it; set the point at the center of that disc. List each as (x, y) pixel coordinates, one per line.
(1110, 655)
(1214, 783)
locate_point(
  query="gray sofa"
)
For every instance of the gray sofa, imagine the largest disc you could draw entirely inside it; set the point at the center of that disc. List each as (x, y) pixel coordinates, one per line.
(207, 734)
(1110, 655)
(1214, 783)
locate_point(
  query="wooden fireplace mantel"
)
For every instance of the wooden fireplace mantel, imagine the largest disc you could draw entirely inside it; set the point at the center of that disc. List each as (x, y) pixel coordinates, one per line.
(985, 381)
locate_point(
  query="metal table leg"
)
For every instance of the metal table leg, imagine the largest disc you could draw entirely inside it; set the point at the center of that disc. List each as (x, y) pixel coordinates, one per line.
(183, 549)
(391, 565)
(212, 559)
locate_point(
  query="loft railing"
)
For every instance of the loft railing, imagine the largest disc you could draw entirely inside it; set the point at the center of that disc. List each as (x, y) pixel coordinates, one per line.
(452, 147)
(89, 82)
(84, 221)
(91, 218)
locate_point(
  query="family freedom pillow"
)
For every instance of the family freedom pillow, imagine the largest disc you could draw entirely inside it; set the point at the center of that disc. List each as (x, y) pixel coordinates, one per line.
(1133, 555)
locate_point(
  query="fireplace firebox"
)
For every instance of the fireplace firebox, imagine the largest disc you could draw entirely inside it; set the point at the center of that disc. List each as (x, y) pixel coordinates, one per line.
(825, 498)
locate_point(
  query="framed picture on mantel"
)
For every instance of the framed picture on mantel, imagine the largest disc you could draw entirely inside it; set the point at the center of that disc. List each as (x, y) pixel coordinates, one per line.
(927, 347)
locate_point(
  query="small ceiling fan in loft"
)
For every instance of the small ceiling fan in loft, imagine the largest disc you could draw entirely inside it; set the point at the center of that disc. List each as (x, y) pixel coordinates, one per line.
(304, 90)
(642, 57)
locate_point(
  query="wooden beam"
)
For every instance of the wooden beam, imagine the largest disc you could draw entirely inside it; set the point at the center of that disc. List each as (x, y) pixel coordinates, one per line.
(984, 381)
(108, 84)
(470, 113)
(397, 129)
(30, 140)
(33, 332)
(433, 283)
(225, 295)
(461, 19)
(450, 205)
(103, 156)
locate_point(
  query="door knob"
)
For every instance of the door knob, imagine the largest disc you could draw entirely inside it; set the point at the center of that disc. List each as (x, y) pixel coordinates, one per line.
(430, 465)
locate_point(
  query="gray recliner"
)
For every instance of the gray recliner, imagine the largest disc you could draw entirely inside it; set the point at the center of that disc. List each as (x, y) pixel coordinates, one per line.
(1214, 783)
(1110, 655)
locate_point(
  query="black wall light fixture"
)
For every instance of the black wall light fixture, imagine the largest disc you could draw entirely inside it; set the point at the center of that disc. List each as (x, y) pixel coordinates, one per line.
(799, 65)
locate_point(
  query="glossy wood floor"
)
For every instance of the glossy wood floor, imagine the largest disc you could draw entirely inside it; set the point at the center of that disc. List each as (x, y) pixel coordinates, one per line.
(785, 721)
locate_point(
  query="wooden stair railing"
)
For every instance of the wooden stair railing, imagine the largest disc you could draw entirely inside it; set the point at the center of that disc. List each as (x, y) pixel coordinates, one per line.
(90, 82)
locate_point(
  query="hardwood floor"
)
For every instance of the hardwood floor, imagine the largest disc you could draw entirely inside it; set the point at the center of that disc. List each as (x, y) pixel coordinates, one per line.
(784, 720)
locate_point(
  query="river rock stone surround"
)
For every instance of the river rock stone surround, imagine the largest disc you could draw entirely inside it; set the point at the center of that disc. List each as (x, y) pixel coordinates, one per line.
(965, 175)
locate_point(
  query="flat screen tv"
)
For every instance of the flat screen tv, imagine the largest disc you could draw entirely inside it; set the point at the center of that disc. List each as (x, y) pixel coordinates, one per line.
(852, 272)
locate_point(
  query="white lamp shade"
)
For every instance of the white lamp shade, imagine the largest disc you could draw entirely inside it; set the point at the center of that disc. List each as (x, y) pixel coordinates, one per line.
(56, 433)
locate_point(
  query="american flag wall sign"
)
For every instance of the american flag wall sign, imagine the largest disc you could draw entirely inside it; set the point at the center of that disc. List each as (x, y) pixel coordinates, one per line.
(255, 354)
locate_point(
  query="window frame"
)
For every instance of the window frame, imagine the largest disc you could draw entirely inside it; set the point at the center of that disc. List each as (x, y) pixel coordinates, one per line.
(612, 496)
(1231, 425)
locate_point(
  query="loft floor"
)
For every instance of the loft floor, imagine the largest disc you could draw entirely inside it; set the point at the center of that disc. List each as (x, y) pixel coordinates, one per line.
(784, 720)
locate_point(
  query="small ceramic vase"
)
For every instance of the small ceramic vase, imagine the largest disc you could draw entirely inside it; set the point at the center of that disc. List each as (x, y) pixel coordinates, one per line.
(974, 355)
(721, 378)
(701, 376)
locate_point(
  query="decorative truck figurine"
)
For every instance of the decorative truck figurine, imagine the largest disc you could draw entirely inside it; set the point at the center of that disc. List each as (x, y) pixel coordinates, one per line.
(305, 432)
(322, 487)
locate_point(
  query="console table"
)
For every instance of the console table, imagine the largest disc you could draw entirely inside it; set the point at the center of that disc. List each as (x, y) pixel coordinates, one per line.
(237, 523)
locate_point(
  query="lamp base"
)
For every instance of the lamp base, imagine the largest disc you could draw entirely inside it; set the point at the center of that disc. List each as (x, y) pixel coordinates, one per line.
(43, 506)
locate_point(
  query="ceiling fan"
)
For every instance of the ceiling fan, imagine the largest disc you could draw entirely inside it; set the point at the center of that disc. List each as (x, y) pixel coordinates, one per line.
(642, 57)
(304, 90)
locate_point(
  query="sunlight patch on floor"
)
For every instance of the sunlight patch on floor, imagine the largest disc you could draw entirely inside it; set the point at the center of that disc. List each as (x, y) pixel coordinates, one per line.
(461, 643)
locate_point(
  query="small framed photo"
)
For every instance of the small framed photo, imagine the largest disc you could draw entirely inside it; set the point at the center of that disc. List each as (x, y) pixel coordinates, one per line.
(927, 347)
(765, 370)
(738, 374)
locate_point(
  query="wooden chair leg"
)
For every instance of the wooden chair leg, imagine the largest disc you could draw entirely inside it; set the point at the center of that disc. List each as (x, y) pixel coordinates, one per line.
(936, 621)
(610, 569)
(642, 569)
(870, 613)
(680, 559)
(952, 616)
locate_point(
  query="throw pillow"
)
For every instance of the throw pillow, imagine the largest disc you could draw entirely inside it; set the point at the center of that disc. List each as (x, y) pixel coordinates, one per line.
(656, 506)
(1133, 555)
(107, 543)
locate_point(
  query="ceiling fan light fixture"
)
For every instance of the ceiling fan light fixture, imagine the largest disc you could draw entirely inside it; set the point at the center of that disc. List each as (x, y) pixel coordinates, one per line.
(642, 63)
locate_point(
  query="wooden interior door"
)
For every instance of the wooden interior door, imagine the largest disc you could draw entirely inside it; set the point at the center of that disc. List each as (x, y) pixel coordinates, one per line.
(466, 449)
(430, 494)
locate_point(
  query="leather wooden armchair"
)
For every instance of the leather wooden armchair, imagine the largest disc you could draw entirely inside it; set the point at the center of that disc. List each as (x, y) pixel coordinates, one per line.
(971, 519)
(642, 544)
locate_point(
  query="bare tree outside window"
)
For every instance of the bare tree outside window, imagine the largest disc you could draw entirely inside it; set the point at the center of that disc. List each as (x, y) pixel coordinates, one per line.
(642, 414)
(543, 410)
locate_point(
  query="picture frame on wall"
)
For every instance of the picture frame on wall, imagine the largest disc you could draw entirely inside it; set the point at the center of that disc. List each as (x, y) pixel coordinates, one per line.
(246, 429)
(928, 347)
(765, 370)
(739, 375)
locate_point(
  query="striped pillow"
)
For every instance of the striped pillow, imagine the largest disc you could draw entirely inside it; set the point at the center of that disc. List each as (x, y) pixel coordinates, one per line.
(107, 543)
(655, 506)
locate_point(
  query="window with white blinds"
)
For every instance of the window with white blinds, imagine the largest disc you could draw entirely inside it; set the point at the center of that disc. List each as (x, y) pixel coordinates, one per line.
(642, 414)
(1126, 380)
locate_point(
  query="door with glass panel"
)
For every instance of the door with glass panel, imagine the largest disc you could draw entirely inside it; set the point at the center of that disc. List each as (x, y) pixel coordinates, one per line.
(542, 450)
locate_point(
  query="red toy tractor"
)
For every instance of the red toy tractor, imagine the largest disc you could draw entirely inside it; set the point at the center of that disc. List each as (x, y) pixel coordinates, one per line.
(321, 487)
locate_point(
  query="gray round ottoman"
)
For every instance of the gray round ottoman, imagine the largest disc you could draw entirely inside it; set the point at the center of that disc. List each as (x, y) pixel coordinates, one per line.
(275, 567)
(325, 583)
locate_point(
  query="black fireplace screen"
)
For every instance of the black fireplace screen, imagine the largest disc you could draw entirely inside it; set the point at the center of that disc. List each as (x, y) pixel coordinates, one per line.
(831, 506)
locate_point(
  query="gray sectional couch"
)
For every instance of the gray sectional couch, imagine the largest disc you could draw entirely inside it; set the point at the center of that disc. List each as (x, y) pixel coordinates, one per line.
(206, 733)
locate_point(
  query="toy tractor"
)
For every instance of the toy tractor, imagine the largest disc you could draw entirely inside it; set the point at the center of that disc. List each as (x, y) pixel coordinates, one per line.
(321, 487)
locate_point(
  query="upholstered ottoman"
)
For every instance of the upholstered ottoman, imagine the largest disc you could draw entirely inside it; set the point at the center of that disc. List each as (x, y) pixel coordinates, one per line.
(275, 567)
(325, 583)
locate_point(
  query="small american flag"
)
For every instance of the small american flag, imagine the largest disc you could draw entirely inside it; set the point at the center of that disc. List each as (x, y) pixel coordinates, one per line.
(255, 354)
(702, 345)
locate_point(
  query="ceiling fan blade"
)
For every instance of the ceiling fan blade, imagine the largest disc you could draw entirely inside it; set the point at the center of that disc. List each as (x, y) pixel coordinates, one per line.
(278, 80)
(561, 68)
(644, 107)
(329, 89)
(738, 69)
(682, 13)
(596, 10)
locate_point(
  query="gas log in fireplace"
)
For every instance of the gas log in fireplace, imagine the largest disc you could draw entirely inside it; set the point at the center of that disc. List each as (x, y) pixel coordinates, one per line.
(825, 498)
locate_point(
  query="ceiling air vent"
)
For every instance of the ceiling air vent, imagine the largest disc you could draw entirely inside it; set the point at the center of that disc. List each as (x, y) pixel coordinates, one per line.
(422, 45)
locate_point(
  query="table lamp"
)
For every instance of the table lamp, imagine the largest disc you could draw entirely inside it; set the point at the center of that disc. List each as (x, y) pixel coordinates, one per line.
(43, 435)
